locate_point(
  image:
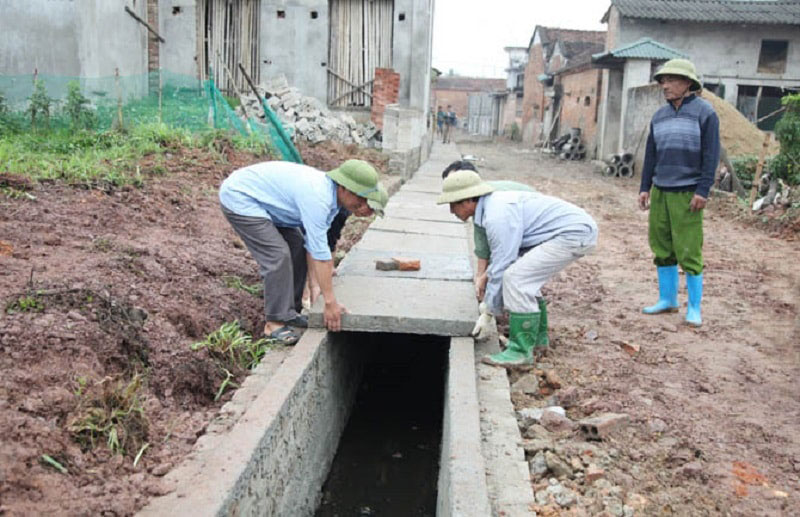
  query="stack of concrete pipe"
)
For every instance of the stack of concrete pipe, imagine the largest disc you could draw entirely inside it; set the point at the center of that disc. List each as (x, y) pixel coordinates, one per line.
(620, 165)
(570, 146)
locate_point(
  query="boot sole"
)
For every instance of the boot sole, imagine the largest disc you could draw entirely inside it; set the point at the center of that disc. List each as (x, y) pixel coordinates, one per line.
(488, 361)
(661, 311)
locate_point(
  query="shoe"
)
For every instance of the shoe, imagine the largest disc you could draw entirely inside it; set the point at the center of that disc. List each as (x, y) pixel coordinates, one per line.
(522, 336)
(299, 321)
(283, 336)
(694, 284)
(667, 291)
(542, 338)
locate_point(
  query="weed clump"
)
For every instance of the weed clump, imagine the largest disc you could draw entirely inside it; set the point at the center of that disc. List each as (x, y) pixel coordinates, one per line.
(234, 351)
(110, 412)
(235, 282)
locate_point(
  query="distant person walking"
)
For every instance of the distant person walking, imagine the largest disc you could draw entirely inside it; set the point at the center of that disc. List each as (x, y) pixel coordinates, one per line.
(440, 119)
(680, 160)
(449, 122)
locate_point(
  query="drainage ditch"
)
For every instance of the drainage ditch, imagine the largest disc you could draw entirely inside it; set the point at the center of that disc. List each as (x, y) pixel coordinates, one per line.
(350, 423)
(387, 462)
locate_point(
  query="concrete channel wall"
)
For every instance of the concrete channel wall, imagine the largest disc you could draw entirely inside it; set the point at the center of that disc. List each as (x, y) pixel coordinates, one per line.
(275, 458)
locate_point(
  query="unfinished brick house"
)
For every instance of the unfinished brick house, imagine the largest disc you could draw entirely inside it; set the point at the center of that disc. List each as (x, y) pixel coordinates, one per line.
(561, 87)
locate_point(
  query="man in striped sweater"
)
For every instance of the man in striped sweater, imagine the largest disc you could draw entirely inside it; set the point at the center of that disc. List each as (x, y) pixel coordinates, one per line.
(681, 158)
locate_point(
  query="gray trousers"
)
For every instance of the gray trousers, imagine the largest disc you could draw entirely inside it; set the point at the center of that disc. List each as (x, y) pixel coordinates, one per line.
(281, 259)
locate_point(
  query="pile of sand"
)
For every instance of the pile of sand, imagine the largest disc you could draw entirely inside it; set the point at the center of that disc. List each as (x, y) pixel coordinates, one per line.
(739, 136)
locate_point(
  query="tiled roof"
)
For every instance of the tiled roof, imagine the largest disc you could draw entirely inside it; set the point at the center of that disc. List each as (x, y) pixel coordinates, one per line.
(549, 35)
(785, 12)
(644, 48)
(470, 84)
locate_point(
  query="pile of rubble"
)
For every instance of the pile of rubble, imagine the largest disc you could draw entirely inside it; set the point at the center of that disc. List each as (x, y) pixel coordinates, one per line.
(574, 464)
(307, 118)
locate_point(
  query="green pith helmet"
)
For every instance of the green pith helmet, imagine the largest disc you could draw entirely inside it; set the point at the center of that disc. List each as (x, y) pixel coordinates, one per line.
(461, 185)
(683, 68)
(359, 177)
(377, 205)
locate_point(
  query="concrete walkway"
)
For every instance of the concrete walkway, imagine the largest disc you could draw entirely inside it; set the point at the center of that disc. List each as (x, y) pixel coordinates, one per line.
(438, 299)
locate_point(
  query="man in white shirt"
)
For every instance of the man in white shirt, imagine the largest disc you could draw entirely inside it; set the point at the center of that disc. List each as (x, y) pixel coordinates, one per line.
(531, 237)
(282, 209)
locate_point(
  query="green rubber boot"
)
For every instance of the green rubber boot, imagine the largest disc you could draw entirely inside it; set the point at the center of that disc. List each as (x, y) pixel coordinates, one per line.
(542, 339)
(522, 335)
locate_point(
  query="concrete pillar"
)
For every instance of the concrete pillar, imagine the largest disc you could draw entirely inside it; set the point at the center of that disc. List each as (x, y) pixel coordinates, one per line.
(611, 111)
(635, 73)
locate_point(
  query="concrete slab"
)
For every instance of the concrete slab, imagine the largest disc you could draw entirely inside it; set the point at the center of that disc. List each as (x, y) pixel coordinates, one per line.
(413, 197)
(450, 229)
(430, 185)
(433, 266)
(403, 305)
(436, 213)
(396, 244)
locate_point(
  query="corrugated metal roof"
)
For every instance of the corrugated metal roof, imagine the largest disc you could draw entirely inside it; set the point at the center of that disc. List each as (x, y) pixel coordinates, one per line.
(645, 48)
(786, 12)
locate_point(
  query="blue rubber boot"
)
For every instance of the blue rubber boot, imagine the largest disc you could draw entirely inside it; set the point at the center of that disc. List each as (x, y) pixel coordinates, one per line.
(667, 291)
(694, 284)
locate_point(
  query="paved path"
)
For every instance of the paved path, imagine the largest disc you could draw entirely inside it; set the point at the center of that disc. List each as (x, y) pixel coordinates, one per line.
(438, 299)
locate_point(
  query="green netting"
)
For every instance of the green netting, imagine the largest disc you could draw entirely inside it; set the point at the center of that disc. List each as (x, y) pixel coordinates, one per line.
(162, 96)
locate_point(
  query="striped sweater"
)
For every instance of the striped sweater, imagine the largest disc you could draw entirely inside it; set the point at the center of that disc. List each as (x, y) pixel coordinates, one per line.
(683, 148)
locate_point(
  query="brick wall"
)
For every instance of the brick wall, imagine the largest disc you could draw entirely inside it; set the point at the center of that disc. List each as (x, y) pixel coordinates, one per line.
(534, 101)
(152, 45)
(457, 99)
(579, 104)
(384, 91)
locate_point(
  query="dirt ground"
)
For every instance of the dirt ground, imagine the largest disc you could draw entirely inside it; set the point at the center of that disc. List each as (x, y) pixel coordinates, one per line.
(101, 295)
(105, 289)
(714, 412)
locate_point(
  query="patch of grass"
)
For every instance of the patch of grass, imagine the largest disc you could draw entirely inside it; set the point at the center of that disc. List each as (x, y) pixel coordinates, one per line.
(103, 244)
(232, 349)
(15, 193)
(48, 460)
(110, 412)
(25, 303)
(235, 282)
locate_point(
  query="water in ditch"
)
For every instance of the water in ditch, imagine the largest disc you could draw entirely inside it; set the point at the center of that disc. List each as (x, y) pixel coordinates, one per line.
(387, 463)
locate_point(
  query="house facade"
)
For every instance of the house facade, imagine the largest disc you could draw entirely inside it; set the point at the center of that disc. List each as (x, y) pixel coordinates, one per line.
(455, 91)
(746, 52)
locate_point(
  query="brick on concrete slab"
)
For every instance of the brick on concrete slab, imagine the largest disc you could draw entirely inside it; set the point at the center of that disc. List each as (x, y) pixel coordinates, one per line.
(433, 266)
(403, 305)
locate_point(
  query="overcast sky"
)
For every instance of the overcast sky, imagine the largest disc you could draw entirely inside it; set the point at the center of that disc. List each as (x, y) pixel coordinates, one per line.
(469, 35)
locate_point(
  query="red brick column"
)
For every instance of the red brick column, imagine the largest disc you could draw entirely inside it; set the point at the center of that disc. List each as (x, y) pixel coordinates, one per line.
(385, 90)
(152, 46)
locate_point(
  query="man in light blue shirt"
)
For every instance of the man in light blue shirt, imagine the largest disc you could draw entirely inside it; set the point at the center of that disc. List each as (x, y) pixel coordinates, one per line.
(283, 209)
(531, 237)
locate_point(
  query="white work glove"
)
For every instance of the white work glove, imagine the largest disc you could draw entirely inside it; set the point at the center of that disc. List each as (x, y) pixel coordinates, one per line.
(485, 323)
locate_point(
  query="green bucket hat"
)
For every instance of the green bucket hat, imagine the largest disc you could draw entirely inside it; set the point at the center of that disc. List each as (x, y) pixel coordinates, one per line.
(461, 185)
(378, 205)
(359, 177)
(683, 68)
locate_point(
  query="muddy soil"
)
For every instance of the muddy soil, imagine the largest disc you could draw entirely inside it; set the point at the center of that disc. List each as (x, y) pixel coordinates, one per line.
(714, 412)
(103, 291)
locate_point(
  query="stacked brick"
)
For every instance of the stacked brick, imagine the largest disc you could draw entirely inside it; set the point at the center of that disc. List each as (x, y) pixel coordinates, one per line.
(385, 90)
